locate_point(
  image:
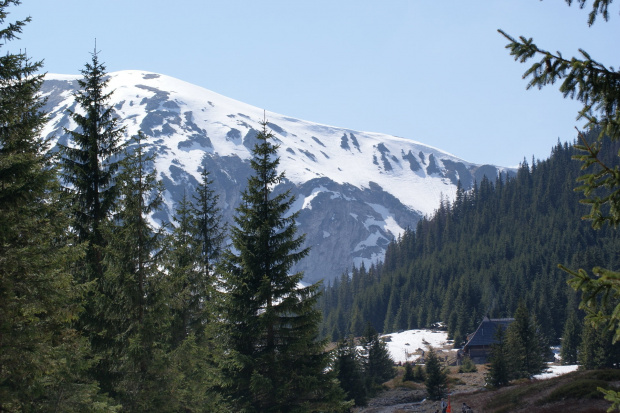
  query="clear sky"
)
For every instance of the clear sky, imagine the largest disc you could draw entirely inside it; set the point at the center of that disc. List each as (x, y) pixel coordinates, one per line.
(433, 71)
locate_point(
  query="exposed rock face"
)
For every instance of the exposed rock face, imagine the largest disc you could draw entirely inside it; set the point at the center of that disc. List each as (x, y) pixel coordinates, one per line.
(355, 190)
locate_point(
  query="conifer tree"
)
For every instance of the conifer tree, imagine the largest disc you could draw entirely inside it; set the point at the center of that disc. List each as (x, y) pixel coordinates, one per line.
(408, 376)
(436, 378)
(89, 164)
(526, 345)
(275, 361)
(208, 227)
(570, 339)
(498, 374)
(598, 88)
(349, 371)
(42, 359)
(378, 365)
(134, 301)
(189, 295)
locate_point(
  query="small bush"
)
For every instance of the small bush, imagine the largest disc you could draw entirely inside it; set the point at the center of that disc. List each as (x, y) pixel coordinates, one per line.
(468, 366)
(409, 375)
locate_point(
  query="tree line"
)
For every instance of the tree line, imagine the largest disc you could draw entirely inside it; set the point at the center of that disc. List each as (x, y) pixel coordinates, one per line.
(481, 254)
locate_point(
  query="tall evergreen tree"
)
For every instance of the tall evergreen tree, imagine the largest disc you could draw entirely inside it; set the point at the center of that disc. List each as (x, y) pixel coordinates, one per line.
(190, 296)
(570, 339)
(436, 378)
(134, 301)
(89, 165)
(349, 371)
(526, 345)
(90, 162)
(378, 365)
(276, 362)
(498, 374)
(209, 231)
(42, 358)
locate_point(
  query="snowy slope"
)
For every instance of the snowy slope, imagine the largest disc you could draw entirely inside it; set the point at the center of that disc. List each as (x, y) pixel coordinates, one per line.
(356, 190)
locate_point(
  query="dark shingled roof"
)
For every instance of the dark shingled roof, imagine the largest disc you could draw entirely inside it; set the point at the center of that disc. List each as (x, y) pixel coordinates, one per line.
(485, 334)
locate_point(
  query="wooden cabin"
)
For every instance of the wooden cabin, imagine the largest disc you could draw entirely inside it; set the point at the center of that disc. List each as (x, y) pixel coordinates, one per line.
(478, 346)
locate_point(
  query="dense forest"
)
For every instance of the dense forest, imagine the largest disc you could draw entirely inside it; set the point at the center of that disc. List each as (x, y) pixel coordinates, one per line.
(480, 255)
(101, 311)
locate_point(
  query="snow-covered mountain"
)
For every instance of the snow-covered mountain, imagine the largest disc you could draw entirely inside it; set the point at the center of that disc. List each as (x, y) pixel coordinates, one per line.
(355, 190)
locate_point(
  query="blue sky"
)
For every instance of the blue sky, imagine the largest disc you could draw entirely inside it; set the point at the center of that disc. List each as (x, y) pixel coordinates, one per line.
(433, 71)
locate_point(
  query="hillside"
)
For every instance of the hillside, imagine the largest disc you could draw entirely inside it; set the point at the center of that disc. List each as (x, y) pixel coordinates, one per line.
(357, 191)
(481, 254)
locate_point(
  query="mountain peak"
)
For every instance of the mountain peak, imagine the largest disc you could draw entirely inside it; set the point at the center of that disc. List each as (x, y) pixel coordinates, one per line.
(386, 183)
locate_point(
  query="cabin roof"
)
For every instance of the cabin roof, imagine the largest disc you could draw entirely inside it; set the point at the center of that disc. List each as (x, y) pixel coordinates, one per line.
(485, 334)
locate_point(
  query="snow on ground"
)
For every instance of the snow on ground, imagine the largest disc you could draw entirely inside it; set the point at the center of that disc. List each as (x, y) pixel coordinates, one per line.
(555, 371)
(404, 346)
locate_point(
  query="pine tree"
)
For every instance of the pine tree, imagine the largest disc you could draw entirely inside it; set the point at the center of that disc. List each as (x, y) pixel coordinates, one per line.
(134, 301)
(42, 358)
(349, 371)
(436, 377)
(271, 323)
(89, 165)
(378, 365)
(570, 339)
(526, 345)
(408, 376)
(498, 374)
(190, 298)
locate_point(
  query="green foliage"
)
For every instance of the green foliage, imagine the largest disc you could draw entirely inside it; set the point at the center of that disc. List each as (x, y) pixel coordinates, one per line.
(468, 366)
(43, 360)
(570, 339)
(526, 345)
(378, 365)
(349, 370)
(133, 304)
(597, 87)
(498, 374)
(89, 166)
(495, 245)
(419, 375)
(408, 376)
(597, 351)
(582, 389)
(436, 377)
(270, 323)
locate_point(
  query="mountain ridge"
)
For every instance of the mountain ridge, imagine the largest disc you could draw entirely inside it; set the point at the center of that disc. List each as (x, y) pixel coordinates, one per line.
(361, 189)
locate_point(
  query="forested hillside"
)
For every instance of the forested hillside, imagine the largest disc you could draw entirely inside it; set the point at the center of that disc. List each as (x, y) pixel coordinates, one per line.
(494, 246)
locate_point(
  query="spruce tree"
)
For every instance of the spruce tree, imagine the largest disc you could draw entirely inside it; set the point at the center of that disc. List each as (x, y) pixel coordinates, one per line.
(190, 298)
(135, 303)
(209, 231)
(89, 165)
(42, 358)
(498, 374)
(378, 365)
(570, 339)
(436, 378)
(275, 362)
(526, 345)
(348, 366)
